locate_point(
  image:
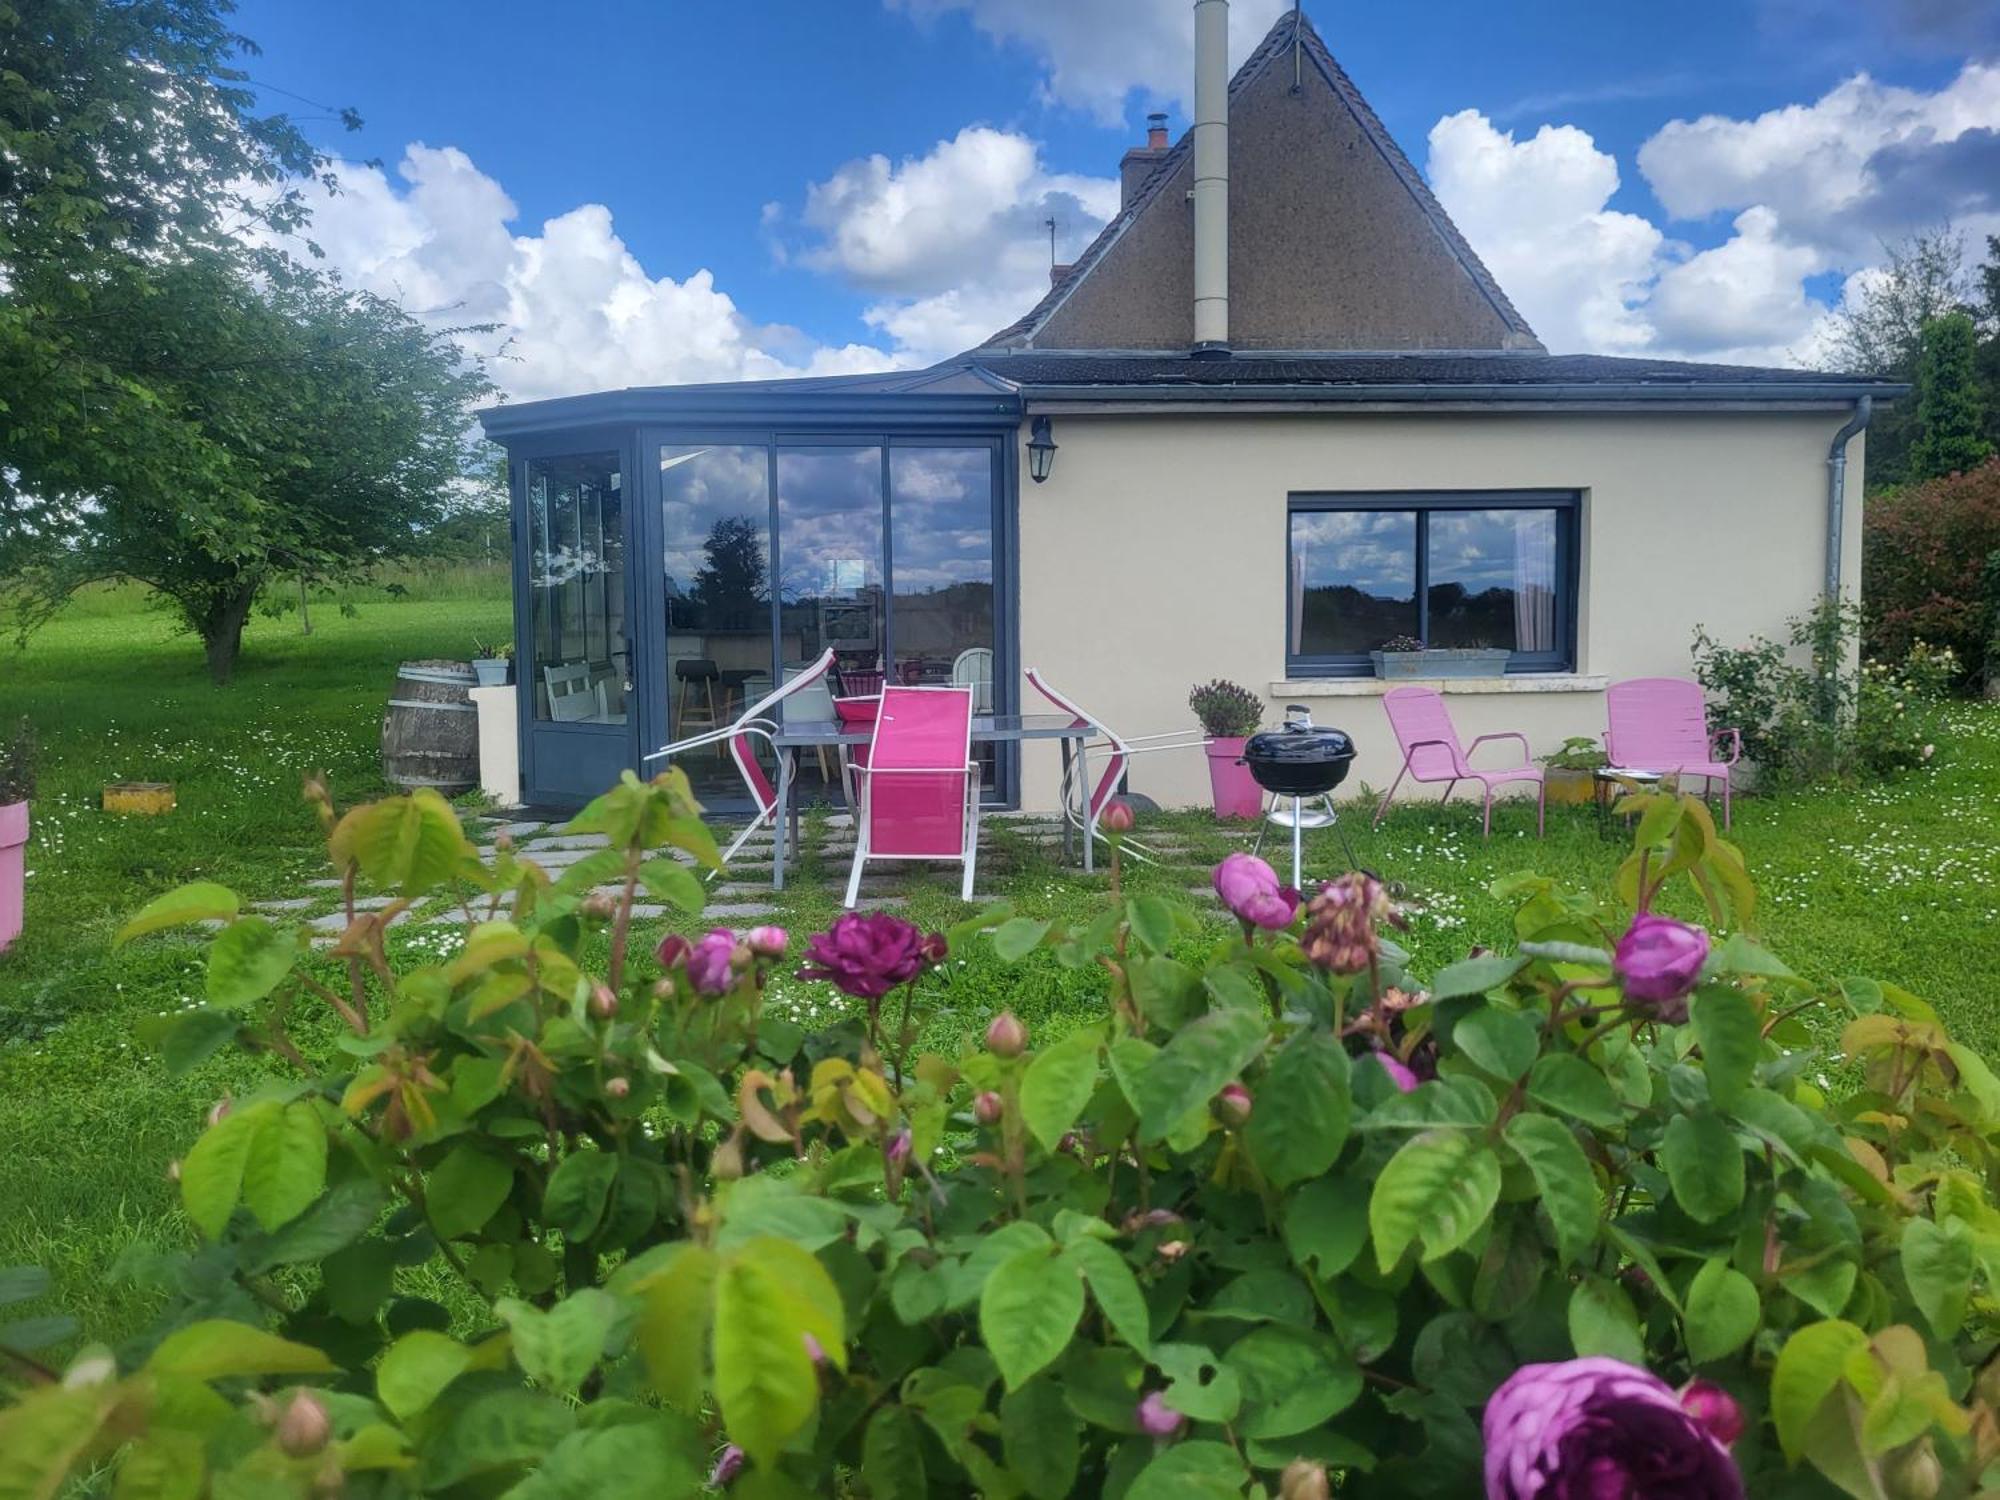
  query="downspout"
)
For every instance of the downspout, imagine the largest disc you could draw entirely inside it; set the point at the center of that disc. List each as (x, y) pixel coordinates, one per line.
(1836, 491)
(1211, 179)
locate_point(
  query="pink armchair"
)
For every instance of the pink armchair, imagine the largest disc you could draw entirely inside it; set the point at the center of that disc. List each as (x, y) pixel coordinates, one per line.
(1431, 752)
(1660, 724)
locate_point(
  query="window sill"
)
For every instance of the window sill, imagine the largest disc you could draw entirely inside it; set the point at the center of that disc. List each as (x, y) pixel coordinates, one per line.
(1375, 687)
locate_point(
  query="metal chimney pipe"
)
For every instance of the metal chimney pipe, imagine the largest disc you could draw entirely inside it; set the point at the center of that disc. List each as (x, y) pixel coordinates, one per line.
(1211, 178)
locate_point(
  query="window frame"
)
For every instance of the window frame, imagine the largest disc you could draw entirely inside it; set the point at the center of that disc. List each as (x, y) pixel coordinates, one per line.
(1567, 504)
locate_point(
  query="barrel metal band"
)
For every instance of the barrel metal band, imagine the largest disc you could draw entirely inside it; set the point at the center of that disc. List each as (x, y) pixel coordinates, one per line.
(457, 708)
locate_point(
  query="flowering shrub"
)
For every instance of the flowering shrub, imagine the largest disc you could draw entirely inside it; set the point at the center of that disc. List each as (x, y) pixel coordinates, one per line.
(1227, 711)
(1923, 549)
(1584, 1219)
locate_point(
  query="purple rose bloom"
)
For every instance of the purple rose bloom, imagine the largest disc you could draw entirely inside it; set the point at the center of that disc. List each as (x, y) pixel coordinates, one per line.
(727, 1466)
(1658, 961)
(866, 956)
(1156, 1418)
(1599, 1429)
(711, 967)
(1250, 889)
(1399, 1075)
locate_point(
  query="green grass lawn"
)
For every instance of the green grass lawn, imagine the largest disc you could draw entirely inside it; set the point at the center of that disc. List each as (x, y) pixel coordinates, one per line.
(1898, 882)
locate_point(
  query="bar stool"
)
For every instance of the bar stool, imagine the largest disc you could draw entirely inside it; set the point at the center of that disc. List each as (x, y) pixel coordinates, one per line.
(695, 706)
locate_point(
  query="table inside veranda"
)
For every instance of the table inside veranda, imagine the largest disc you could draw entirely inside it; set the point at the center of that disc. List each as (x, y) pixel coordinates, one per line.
(987, 729)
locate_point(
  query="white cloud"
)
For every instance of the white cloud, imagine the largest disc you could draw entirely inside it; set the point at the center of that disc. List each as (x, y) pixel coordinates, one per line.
(953, 243)
(576, 310)
(1097, 52)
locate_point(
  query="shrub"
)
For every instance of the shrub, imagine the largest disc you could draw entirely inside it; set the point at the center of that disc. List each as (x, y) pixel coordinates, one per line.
(1226, 711)
(1578, 753)
(17, 765)
(1281, 1208)
(1922, 552)
(1802, 724)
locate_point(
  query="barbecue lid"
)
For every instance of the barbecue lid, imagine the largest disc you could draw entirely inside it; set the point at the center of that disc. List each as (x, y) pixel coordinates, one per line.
(1299, 742)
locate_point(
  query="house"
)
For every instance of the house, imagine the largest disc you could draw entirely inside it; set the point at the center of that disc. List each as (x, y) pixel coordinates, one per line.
(1275, 414)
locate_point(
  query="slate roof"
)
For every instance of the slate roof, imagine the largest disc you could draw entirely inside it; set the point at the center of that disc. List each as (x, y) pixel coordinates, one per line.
(1277, 44)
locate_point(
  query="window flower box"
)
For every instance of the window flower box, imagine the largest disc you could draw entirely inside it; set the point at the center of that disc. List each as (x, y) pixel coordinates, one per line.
(1468, 661)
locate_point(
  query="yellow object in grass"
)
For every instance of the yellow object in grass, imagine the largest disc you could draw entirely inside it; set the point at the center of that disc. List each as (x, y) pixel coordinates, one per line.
(148, 798)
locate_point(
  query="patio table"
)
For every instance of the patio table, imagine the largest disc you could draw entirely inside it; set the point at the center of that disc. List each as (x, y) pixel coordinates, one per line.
(797, 734)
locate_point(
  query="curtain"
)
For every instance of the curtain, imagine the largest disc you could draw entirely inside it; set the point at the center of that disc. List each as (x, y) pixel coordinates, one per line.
(1298, 586)
(1535, 581)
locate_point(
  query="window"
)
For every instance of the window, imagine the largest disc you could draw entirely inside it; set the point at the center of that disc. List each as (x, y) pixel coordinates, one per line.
(1454, 570)
(576, 588)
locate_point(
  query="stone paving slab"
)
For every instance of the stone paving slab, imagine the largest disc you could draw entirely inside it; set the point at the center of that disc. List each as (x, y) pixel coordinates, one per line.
(335, 922)
(288, 903)
(567, 841)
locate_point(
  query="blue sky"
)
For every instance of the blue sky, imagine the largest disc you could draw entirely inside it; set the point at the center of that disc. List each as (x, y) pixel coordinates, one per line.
(701, 129)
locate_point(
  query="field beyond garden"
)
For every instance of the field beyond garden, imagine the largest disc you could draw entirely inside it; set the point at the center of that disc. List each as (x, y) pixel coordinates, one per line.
(1900, 882)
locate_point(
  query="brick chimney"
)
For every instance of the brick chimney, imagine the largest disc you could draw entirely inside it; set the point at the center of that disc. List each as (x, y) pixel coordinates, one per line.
(1138, 163)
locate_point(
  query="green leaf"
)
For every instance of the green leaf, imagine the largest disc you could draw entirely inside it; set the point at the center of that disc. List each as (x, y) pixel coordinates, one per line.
(677, 1305)
(1199, 1385)
(346, 1213)
(560, 1347)
(1193, 1470)
(1293, 1379)
(1017, 937)
(1569, 1085)
(494, 1430)
(1808, 1369)
(22, 1284)
(892, 1456)
(1039, 1438)
(1028, 1312)
(44, 1434)
(466, 1189)
(1705, 1166)
(1740, 955)
(212, 1172)
(1722, 1312)
(216, 1347)
(1116, 1289)
(1439, 1187)
(410, 845)
(166, 1464)
(1938, 1265)
(1731, 1041)
(1441, 1102)
(285, 1169)
(1503, 1042)
(1203, 1056)
(1303, 1109)
(247, 960)
(765, 1383)
(673, 883)
(639, 1458)
(1058, 1083)
(1152, 919)
(1475, 976)
(189, 1038)
(1602, 1321)
(1568, 1190)
(201, 901)
(416, 1368)
(577, 1192)
(1326, 1223)
(26, 1335)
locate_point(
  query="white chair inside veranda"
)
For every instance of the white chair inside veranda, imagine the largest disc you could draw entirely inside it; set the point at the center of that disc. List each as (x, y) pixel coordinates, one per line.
(759, 722)
(973, 668)
(920, 787)
(572, 694)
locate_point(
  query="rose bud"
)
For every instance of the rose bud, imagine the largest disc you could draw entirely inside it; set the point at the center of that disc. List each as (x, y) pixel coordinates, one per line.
(768, 941)
(1156, 1418)
(599, 907)
(219, 1111)
(673, 950)
(1116, 817)
(897, 1150)
(937, 947)
(740, 957)
(1399, 1075)
(664, 990)
(617, 1088)
(814, 1351)
(988, 1107)
(1658, 962)
(727, 1466)
(1303, 1480)
(1232, 1104)
(1914, 1474)
(1171, 1250)
(603, 1002)
(1714, 1408)
(1006, 1036)
(304, 1426)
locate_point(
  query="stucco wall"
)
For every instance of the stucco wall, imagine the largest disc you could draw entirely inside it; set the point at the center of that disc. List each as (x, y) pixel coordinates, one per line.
(1154, 556)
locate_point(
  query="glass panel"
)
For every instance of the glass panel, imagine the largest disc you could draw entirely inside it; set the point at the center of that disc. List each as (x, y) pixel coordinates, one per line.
(1492, 579)
(716, 509)
(941, 534)
(830, 560)
(576, 588)
(1353, 580)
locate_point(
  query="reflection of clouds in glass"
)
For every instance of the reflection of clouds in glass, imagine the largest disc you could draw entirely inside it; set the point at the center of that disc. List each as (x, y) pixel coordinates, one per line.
(942, 512)
(1478, 548)
(1370, 550)
(703, 485)
(829, 520)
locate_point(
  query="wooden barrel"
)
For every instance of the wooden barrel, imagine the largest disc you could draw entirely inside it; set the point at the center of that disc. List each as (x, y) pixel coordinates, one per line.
(430, 735)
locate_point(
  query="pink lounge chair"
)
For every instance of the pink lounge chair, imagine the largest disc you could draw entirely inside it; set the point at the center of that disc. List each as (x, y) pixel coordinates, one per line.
(1431, 752)
(1660, 724)
(920, 787)
(757, 722)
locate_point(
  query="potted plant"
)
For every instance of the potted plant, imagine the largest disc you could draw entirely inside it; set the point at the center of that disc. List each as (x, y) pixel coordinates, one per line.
(1229, 715)
(1405, 656)
(492, 663)
(1570, 781)
(17, 785)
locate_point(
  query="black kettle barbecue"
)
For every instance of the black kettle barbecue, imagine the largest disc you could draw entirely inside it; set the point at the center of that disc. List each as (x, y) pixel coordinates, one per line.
(1299, 763)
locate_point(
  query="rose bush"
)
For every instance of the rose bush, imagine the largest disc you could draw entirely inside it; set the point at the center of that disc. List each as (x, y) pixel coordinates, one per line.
(1631, 1210)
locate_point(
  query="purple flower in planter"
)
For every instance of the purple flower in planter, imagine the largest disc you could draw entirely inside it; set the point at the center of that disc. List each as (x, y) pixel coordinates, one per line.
(866, 956)
(1399, 1075)
(1599, 1429)
(1250, 889)
(711, 966)
(1658, 961)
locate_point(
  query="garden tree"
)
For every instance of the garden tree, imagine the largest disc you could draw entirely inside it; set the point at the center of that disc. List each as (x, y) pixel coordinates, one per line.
(1951, 416)
(314, 431)
(731, 581)
(1921, 553)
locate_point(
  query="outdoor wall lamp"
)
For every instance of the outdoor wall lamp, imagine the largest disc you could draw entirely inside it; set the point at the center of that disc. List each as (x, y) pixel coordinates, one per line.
(1041, 450)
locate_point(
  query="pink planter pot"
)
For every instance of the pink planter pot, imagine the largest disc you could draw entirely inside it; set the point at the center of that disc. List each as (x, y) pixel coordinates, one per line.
(13, 849)
(1237, 794)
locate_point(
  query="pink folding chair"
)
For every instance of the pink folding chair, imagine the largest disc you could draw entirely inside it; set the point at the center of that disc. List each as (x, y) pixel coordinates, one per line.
(1660, 724)
(1431, 752)
(757, 722)
(920, 787)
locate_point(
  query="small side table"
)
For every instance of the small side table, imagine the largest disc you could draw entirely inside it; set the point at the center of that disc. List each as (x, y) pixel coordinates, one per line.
(1607, 781)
